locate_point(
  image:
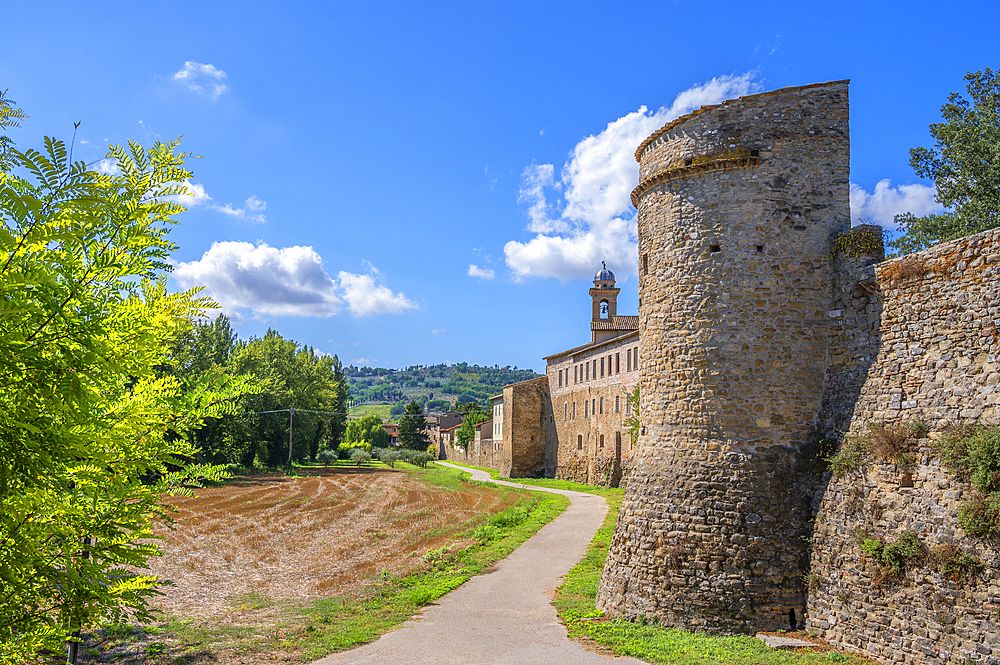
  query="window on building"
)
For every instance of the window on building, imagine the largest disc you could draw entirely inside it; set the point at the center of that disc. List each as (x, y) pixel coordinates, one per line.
(593, 405)
(560, 378)
(595, 368)
(587, 372)
(602, 406)
(565, 410)
(586, 407)
(618, 363)
(628, 360)
(579, 442)
(602, 441)
(602, 365)
(617, 397)
(635, 357)
(628, 406)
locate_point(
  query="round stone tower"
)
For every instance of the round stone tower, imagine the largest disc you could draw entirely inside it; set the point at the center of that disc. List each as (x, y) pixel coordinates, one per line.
(737, 207)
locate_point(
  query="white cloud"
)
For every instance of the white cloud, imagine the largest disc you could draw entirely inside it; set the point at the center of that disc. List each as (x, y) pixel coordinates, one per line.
(361, 361)
(108, 167)
(438, 331)
(366, 294)
(593, 219)
(288, 281)
(268, 281)
(481, 273)
(886, 202)
(534, 180)
(203, 78)
(196, 195)
(252, 210)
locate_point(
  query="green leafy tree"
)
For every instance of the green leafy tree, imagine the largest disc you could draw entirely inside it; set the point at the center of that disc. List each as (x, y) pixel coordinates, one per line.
(202, 352)
(467, 430)
(91, 437)
(413, 428)
(341, 395)
(964, 165)
(290, 376)
(365, 432)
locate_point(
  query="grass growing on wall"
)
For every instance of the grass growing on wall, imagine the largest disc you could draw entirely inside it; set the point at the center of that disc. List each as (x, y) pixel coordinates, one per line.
(894, 443)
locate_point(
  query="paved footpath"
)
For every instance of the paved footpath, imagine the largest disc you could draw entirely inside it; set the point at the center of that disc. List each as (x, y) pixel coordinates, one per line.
(504, 617)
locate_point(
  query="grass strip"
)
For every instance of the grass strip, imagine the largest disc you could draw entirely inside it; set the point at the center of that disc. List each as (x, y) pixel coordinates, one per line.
(575, 604)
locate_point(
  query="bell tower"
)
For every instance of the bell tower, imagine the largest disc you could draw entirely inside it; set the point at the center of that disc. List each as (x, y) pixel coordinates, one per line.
(604, 299)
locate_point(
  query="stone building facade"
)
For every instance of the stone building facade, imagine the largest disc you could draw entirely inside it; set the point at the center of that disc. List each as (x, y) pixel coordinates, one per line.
(569, 423)
(589, 387)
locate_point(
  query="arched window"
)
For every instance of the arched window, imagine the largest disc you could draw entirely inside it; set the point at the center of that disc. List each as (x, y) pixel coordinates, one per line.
(604, 309)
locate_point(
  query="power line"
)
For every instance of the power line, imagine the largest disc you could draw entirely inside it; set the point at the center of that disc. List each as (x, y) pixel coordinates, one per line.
(326, 413)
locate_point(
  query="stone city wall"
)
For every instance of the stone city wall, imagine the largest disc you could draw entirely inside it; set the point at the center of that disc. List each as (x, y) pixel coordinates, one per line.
(525, 428)
(737, 204)
(919, 342)
(478, 453)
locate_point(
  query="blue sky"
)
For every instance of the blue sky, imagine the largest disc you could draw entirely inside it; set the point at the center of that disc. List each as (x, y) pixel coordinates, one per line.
(410, 183)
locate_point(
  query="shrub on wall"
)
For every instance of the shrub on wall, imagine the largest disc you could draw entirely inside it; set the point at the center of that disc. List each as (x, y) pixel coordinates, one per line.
(972, 454)
(892, 557)
(860, 241)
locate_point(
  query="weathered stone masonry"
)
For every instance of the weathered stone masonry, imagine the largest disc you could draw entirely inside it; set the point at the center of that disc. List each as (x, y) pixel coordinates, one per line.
(754, 341)
(918, 341)
(737, 204)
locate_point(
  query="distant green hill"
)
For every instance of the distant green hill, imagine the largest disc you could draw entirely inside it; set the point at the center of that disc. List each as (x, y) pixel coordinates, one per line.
(437, 387)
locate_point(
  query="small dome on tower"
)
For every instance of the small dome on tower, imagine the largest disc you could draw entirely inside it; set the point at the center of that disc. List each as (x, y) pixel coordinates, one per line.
(604, 275)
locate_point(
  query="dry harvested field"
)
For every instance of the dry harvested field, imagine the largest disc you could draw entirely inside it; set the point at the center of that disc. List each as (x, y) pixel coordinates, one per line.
(251, 560)
(307, 537)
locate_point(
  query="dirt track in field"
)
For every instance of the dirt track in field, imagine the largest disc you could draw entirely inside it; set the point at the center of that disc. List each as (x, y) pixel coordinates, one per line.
(302, 538)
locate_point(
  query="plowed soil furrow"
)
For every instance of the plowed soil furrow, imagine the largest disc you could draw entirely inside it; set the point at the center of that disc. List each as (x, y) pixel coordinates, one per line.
(318, 536)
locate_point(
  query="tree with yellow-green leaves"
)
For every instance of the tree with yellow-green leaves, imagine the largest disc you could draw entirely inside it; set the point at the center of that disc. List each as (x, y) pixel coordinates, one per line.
(91, 437)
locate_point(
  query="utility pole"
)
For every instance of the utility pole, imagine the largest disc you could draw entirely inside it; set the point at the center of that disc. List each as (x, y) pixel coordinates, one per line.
(291, 416)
